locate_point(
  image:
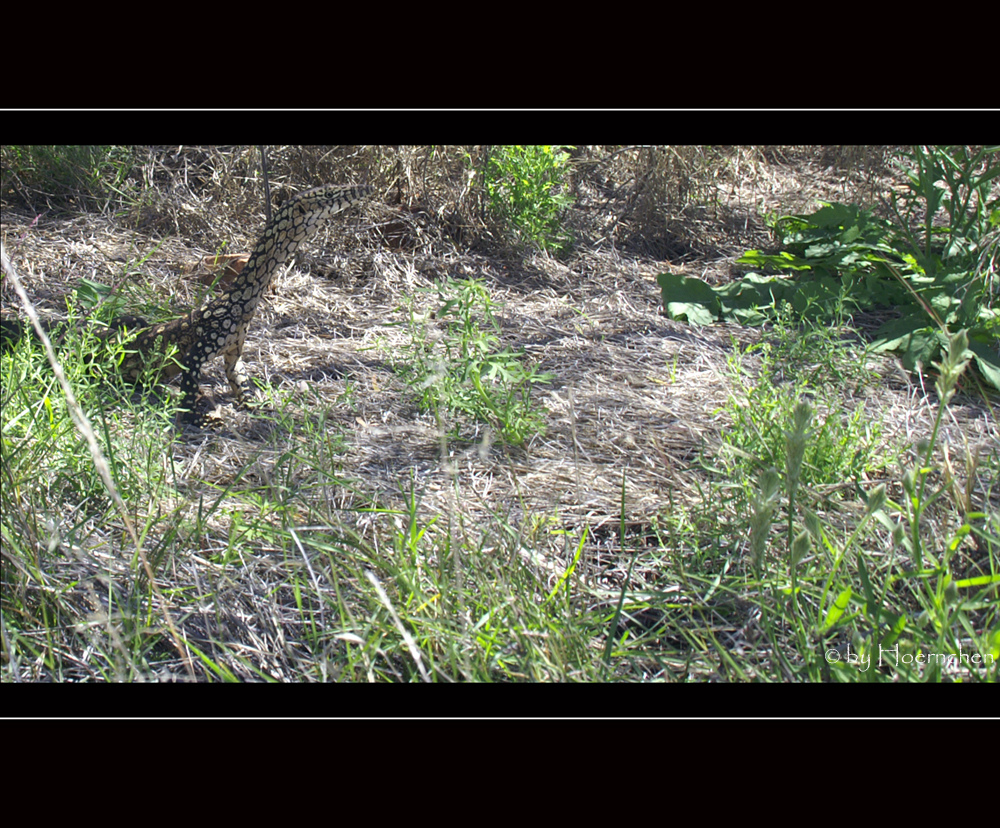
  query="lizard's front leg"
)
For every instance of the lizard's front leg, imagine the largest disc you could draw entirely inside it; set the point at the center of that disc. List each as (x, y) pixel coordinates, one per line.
(236, 372)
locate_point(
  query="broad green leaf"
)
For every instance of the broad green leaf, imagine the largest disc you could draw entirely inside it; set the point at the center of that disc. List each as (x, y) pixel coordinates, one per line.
(837, 609)
(987, 359)
(896, 623)
(686, 297)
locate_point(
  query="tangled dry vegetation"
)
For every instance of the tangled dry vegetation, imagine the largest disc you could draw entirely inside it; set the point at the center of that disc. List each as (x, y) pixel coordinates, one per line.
(636, 400)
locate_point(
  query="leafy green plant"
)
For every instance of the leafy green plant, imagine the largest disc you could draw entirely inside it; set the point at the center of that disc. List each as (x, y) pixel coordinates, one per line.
(880, 588)
(935, 261)
(525, 189)
(938, 618)
(953, 181)
(792, 364)
(462, 370)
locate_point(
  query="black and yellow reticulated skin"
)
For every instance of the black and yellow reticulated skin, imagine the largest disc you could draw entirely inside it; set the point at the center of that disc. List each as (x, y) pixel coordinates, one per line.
(219, 327)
